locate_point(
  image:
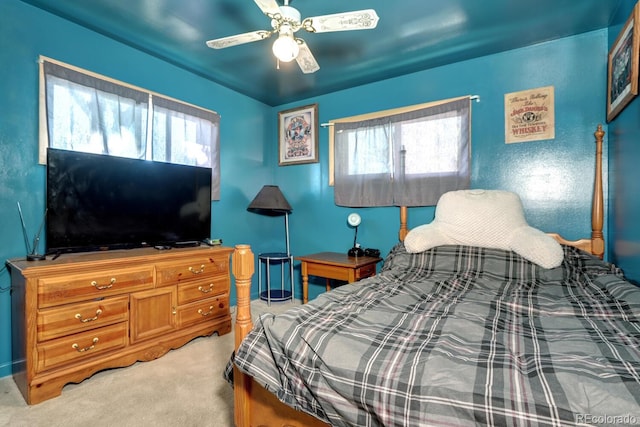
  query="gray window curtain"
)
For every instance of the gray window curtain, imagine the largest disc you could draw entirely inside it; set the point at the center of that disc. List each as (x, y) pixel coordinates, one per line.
(405, 159)
(85, 113)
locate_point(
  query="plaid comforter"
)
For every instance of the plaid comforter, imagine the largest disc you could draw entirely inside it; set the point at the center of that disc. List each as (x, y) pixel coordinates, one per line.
(459, 336)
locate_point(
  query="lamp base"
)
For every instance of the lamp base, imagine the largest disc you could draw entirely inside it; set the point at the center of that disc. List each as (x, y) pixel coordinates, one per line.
(355, 251)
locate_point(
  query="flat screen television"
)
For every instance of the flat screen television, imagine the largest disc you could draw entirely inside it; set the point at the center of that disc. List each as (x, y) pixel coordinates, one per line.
(99, 202)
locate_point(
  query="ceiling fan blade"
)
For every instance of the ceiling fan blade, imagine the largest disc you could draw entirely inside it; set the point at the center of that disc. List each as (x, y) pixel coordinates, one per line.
(253, 36)
(268, 7)
(366, 19)
(305, 59)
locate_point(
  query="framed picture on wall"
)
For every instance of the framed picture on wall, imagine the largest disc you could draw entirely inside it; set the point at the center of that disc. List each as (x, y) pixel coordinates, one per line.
(298, 135)
(622, 75)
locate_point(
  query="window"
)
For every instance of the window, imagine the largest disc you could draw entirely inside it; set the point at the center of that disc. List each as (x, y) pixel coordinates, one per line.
(407, 157)
(83, 111)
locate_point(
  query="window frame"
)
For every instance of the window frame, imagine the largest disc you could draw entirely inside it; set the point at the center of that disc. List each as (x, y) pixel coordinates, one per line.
(399, 188)
(375, 115)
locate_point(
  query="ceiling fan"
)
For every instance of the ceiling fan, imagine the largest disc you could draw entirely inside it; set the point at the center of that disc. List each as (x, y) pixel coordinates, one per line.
(286, 21)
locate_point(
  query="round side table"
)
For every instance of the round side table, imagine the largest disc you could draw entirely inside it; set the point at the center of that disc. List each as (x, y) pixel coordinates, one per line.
(278, 295)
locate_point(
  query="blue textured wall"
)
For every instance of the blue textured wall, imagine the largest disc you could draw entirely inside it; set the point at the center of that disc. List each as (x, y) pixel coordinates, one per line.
(554, 177)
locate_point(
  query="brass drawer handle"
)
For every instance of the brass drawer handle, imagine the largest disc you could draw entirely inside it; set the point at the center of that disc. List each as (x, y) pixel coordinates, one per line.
(202, 313)
(206, 290)
(194, 271)
(101, 287)
(90, 319)
(81, 350)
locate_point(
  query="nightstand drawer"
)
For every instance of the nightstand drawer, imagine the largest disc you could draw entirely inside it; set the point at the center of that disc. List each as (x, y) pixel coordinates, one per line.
(203, 310)
(366, 271)
(201, 289)
(329, 271)
(171, 274)
(98, 284)
(72, 318)
(81, 346)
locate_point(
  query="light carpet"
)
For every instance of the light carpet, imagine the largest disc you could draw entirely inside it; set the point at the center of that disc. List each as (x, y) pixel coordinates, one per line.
(183, 388)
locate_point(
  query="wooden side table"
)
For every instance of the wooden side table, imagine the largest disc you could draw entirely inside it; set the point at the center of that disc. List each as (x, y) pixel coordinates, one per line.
(334, 265)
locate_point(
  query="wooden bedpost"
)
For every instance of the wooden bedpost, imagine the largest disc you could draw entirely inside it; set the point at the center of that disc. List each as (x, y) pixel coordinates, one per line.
(597, 210)
(243, 267)
(403, 223)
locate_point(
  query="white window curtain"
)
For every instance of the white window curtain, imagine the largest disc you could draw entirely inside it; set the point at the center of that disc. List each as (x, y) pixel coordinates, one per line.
(83, 111)
(184, 134)
(405, 159)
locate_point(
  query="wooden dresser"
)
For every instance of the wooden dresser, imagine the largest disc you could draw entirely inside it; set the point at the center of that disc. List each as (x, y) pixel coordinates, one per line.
(82, 313)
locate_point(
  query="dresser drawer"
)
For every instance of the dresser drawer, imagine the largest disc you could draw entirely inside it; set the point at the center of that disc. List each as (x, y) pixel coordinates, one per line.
(81, 346)
(98, 284)
(203, 310)
(72, 318)
(201, 289)
(195, 268)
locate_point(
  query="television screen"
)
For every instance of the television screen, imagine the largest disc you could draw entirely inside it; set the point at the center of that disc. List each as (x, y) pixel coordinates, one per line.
(99, 202)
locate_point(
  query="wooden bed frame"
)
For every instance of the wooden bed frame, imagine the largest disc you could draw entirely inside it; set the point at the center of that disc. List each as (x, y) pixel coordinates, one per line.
(255, 406)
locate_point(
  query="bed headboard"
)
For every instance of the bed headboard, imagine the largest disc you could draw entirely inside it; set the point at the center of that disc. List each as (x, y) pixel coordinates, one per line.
(594, 244)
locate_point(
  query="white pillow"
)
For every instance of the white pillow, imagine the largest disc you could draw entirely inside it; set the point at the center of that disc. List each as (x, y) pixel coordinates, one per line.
(486, 218)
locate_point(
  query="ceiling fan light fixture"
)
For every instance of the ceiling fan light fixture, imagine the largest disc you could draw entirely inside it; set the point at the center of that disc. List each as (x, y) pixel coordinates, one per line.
(287, 20)
(285, 48)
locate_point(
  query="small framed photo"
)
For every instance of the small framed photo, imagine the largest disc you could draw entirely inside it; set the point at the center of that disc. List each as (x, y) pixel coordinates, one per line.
(622, 75)
(298, 135)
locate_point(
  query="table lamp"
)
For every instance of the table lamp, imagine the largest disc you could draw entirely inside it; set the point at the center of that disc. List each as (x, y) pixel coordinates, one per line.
(354, 221)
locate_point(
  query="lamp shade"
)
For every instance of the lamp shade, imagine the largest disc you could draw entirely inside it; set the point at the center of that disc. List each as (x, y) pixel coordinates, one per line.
(270, 201)
(354, 219)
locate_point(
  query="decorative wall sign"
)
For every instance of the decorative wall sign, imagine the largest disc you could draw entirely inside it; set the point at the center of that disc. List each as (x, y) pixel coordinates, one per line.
(298, 135)
(622, 76)
(529, 115)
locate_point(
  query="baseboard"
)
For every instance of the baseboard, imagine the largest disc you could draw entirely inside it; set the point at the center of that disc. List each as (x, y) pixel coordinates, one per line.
(6, 369)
